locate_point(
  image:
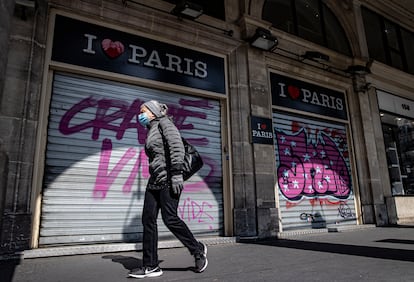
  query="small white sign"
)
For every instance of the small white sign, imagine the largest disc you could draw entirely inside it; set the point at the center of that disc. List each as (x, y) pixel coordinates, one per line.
(395, 104)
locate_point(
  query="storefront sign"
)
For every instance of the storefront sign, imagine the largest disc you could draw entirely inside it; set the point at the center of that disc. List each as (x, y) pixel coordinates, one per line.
(395, 104)
(299, 95)
(262, 131)
(88, 45)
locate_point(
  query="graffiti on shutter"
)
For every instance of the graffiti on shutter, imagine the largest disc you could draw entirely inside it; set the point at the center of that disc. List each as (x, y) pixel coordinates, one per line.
(96, 168)
(313, 173)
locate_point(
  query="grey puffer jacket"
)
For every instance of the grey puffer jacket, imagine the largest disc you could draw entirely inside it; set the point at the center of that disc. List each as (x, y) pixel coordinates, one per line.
(165, 155)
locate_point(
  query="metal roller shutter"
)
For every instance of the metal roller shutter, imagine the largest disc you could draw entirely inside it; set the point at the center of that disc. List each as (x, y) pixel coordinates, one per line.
(313, 173)
(96, 169)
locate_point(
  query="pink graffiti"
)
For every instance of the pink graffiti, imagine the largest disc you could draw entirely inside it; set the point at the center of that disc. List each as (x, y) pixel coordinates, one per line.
(311, 169)
(105, 178)
(119, 116)
(191, 210)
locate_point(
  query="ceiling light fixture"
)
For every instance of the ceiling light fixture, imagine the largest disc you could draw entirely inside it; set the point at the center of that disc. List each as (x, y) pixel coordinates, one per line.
(358, 69)
(186, 9)
(263, 39)
(316, 56)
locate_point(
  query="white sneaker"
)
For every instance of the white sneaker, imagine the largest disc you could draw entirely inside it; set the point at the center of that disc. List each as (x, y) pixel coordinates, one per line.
(144, 272)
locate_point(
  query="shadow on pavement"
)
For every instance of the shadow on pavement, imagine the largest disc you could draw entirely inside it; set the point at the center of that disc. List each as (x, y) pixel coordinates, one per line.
(7, 269)
(190, 268)
(131, 263)
(128, 263)
(396, 241)
(365, 251)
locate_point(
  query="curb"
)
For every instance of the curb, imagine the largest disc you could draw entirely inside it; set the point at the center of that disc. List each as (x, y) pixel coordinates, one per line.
(114, 248)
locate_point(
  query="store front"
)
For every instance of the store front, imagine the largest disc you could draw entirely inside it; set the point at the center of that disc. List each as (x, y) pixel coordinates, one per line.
(397, 122)
(313, 159)
(96, 170)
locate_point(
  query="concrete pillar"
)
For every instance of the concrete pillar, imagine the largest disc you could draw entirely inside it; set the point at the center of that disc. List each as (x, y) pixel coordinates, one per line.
(243, 172)
(6, 12)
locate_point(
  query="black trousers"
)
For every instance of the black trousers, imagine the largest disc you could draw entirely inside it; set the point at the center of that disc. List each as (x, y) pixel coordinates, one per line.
(167, 202)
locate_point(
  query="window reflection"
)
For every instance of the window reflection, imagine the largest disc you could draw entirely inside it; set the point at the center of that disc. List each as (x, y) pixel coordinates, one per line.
(399, 143)
(309, 19)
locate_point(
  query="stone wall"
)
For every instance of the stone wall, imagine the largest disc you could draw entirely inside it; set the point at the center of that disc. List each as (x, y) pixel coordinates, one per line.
(18, 119)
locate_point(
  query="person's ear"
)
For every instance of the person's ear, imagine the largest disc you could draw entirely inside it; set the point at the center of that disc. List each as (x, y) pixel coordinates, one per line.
(150, 114)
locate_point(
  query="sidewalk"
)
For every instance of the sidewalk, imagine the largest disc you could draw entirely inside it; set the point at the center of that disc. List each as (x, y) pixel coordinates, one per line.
(368, 254)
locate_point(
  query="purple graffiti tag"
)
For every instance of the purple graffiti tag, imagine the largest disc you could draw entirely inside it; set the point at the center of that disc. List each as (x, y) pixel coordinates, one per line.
(142, 159)
(118, 116)
(181, 113)
(190, 210)
(309, 169)
(113, 115)
(105, 178)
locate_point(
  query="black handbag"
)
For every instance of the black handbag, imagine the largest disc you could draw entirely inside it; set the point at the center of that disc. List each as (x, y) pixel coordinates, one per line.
(192, 158)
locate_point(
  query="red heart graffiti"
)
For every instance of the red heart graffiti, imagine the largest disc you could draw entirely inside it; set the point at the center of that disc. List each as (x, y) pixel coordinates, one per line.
(294, 92)
(263, 126)
(112, 48)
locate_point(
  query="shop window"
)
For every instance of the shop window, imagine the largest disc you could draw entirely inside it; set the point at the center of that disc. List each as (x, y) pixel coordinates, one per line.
(399, 144)
(212, 8)
(308, 19)
(388, 42)
(408, 41)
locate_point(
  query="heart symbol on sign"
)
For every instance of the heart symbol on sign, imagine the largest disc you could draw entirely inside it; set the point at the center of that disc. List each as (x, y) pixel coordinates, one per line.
(112, 48)
(294, 92)
(263, 126)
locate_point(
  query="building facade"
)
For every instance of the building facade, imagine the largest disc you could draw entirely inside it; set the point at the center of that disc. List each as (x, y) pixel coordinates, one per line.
(314, 132)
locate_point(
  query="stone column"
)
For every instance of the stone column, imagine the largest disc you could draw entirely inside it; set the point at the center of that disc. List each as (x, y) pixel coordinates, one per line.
(242, 156)
(6, 12)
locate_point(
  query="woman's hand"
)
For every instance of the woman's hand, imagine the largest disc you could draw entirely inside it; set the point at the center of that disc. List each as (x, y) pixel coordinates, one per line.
(177, 183)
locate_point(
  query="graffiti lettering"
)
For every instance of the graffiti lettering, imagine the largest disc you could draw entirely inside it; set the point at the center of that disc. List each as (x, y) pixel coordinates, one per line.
(345, 211)
(119, 116)
(191, 210)
(107, 113)
(309, 169)
(105, 178)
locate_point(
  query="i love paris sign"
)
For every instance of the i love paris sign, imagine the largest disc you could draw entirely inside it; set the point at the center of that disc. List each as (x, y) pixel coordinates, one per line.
(88, 45)
(300, 95)
(261, 130)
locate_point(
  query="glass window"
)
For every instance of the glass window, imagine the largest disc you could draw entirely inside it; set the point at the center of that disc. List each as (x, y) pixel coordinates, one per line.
(399, 143)
(373, 35)
(280, 14)
(408, 44)
(391, 35)
(388, 42)
(390, 31)
(334, 39)
(309, 19)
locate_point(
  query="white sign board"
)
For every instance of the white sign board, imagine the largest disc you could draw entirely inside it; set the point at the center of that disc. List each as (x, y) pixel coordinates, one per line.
(395, 104)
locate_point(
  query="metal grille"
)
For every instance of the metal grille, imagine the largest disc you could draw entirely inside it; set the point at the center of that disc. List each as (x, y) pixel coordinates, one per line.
(96, 168)
(313, 173)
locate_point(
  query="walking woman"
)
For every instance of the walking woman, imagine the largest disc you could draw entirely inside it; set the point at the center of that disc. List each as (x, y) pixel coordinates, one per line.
(165, 151)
